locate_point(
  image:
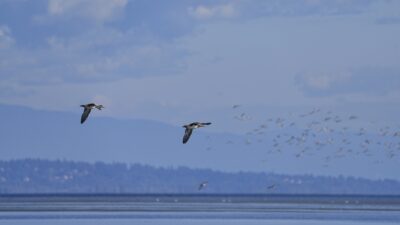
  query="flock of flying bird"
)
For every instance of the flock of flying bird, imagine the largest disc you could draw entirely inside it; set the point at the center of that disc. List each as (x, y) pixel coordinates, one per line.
(308, 137)
(313, 132)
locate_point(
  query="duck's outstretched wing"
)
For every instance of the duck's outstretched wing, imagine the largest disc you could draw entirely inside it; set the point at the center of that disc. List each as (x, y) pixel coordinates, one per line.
(85, 114)
(186, 137)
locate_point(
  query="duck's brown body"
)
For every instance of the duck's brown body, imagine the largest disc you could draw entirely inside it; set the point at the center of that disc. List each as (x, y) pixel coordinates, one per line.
(87, 109)
(189, 129)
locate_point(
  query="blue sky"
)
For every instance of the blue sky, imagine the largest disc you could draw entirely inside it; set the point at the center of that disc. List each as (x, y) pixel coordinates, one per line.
(179, 61)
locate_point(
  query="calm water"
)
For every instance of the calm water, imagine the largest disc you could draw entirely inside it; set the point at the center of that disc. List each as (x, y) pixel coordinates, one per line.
(198, 209)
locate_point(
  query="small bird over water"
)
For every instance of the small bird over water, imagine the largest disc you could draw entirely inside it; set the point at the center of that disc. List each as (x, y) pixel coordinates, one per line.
(87, 109)
(203, 185)
(189, 129)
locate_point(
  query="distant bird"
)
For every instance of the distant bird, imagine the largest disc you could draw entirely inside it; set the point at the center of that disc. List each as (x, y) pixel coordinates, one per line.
(229, 142)
(87, 109)
(271, 187)
(352, 117)
(189, 129)
(235, 106)
(203, 185)
(243, 117)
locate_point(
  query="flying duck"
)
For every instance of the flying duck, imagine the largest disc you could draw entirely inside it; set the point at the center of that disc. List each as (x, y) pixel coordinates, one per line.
(87, 109)
(189, 128)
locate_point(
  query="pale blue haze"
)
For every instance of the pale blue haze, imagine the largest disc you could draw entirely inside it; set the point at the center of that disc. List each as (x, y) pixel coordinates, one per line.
(157, 65)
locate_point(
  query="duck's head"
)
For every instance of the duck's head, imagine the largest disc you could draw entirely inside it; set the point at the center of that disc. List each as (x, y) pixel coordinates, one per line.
(99, 107)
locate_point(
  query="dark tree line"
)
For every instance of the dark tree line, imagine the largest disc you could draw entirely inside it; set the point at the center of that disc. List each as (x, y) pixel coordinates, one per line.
(60, 176)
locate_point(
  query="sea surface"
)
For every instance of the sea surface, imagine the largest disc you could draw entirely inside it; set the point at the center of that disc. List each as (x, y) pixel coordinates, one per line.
(196, 209)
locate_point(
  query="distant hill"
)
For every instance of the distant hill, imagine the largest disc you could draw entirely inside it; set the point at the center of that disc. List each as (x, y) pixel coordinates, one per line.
(282, 148)
(45, 176)
(59, 135)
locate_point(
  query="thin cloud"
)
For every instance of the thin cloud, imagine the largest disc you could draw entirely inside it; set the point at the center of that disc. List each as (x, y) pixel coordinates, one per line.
(209, 12)
(97, 10)
(71, 61)
(6, 40)
(260, 8)
(388, 20)
(368, 81)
